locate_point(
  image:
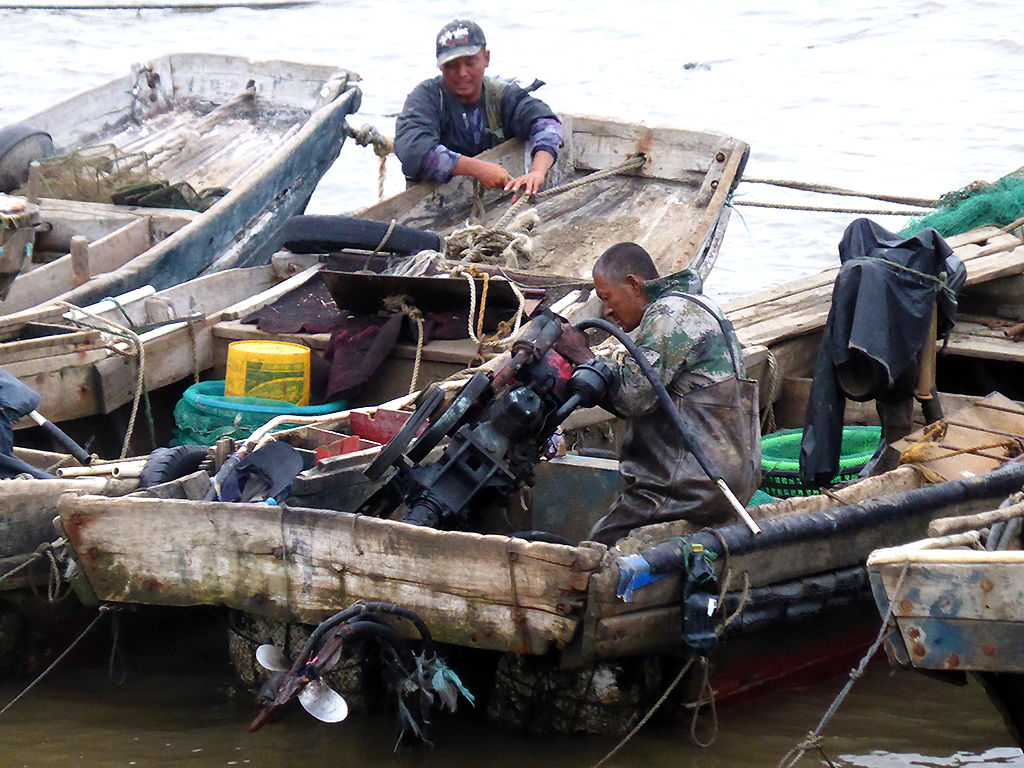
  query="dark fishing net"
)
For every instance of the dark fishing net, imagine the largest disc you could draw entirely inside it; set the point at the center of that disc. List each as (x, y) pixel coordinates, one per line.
(978, 204)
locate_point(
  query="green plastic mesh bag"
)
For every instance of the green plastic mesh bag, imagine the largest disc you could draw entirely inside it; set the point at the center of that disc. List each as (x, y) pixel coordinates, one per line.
(204, 414)
(780, 459)
(978, 204)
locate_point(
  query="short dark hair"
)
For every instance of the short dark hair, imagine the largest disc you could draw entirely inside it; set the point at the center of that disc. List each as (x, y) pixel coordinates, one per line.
(626, 259)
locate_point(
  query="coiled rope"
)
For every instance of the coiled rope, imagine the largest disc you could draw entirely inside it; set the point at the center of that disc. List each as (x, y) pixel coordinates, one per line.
(476, 334)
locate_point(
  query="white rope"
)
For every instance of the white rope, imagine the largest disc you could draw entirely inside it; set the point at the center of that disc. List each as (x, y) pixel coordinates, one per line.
(522, 307)
(461, 272)
(820, 209)
(140, 352)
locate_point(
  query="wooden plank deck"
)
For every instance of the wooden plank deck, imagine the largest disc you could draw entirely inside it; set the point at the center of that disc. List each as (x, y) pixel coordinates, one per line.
(801, 306)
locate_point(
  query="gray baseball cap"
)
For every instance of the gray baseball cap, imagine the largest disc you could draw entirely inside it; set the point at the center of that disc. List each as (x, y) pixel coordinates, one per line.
(459, 38)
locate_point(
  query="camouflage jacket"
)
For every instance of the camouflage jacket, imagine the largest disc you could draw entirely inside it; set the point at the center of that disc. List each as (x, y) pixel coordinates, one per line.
(681, 340)
(663, 481)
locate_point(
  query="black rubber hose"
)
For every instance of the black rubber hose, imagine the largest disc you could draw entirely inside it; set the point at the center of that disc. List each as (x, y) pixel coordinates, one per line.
(689, 441)
(384, 634)
(62, 439)
(354, 611)
(411, 616)
(671, 556)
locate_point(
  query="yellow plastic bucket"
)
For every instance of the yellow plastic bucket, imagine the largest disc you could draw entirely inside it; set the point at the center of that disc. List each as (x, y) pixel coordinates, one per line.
(273, 370)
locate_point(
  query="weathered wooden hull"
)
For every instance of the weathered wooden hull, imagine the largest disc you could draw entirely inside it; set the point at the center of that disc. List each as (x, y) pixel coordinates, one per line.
(957, 611)
(674, 205)
(271, 169)
(79, 377)
(303, 564)
(27, 510)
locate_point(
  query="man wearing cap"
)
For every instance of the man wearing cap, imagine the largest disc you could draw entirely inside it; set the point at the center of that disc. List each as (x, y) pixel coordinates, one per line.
(449, 119)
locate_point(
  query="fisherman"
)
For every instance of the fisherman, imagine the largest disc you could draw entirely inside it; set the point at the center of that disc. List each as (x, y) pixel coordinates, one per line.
(694, 350)
(449, 119)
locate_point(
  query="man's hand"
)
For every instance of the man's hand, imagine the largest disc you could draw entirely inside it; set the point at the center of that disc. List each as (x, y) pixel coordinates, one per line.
(530, 182)
(491, 175)
(574, 346)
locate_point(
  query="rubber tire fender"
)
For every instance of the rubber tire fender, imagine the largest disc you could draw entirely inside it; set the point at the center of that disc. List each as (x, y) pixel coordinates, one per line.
(166, 464)
(325, 234)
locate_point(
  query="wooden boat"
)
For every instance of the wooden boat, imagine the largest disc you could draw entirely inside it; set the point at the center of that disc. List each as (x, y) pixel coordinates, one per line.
(256, 135)
(954, 601)
(664, 188)
(661, 187)
(672, 200)
(554, 610)
(83, 366)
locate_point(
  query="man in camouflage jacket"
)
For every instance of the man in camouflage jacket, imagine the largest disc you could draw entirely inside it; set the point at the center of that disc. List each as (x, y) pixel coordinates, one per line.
(692, 347)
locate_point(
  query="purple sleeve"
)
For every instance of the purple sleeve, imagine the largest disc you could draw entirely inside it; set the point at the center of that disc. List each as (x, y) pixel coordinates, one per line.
(439, 163)
(546, 133)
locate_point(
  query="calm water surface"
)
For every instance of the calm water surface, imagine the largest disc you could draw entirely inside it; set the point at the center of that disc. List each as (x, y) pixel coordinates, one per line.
(915, 98)
(177, 706)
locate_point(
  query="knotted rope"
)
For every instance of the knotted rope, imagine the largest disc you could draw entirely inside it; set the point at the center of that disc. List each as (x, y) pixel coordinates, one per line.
(382, 147)
(507, 241)
(43, 550)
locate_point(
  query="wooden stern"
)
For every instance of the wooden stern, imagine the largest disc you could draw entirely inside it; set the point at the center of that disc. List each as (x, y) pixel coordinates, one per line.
(303, 565)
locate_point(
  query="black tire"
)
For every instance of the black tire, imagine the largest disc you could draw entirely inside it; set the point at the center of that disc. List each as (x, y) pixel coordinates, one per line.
(326, 234)
(20, 145)
(166, 464)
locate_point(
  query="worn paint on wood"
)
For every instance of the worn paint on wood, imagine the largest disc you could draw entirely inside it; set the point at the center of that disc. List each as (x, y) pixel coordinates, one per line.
(303, 565)
(670, 206)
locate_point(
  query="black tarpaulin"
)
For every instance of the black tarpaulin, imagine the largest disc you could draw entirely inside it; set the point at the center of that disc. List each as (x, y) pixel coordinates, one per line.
(880, 318)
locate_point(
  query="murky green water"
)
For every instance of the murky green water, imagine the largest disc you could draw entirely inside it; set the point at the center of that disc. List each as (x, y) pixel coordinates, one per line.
(177, 706)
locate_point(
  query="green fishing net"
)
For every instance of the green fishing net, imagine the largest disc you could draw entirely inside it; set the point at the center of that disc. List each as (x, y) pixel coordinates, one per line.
(978, 204)
(204, 414)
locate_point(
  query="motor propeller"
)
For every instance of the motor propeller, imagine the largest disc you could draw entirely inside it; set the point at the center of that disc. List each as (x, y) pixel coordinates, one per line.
(418, 678)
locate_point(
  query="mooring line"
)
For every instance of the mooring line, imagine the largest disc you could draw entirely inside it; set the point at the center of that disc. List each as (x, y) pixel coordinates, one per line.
(823, 209)
(103, 609)
(827, 189)
(648, 716)
(814, 739)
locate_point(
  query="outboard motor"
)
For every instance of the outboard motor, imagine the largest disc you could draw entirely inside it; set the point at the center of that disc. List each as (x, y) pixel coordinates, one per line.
(499, 430)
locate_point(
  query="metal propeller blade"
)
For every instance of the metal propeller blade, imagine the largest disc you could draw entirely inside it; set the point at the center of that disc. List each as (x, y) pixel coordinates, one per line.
(323, 703)
(272, 658)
